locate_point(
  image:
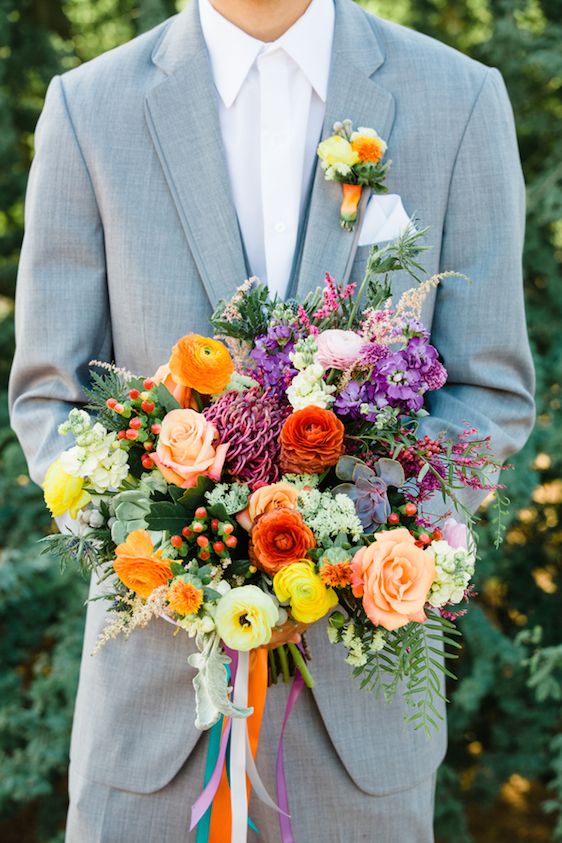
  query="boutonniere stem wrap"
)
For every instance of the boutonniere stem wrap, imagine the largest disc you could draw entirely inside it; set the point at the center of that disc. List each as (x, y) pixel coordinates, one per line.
(355, 159)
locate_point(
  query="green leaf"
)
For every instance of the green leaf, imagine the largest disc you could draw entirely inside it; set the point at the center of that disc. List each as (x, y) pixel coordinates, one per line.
(167, 516)
(164, 398)
(177, 569)
(194, 497)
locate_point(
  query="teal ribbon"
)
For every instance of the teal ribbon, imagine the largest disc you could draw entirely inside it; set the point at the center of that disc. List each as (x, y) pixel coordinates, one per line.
(204, 825)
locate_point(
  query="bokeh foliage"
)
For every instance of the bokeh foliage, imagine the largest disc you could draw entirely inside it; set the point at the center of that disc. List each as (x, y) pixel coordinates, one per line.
(503, 774)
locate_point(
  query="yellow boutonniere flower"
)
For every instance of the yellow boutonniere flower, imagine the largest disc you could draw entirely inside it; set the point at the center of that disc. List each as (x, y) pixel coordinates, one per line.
(300, 585)
(63, 492)
(244, 617)
(337, 150)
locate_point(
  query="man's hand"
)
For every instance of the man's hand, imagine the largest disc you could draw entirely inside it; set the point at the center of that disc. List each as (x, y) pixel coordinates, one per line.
(289, 632)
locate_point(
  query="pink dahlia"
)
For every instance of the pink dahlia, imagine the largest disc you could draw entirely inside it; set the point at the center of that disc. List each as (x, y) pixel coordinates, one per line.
(250, 422)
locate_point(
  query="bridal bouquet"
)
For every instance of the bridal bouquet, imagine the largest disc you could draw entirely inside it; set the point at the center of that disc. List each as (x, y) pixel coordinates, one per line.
(276, 474)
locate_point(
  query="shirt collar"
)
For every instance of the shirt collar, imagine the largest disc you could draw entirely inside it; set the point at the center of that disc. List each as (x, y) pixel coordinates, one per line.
(232, 51)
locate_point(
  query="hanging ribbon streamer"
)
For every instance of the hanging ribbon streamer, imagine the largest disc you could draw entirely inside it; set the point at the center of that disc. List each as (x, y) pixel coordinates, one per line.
(221, 811)
(285, 825)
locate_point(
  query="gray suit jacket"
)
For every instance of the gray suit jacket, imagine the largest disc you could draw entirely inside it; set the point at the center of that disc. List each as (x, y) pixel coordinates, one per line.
(131, 237)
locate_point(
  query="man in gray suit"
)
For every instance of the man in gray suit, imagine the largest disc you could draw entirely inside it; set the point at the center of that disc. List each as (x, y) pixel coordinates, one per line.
(154, 192)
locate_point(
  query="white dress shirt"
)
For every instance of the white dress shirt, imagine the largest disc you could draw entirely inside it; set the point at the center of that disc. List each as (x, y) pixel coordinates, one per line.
(272, 100)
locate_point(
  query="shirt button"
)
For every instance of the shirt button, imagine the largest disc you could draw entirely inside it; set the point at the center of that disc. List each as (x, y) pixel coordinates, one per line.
(279, 227)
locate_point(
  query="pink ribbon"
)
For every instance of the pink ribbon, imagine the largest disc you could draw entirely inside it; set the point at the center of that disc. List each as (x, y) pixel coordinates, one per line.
(285, 825)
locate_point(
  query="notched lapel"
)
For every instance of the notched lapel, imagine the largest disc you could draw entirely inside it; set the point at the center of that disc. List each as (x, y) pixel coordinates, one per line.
(353, 94)
(182, 117)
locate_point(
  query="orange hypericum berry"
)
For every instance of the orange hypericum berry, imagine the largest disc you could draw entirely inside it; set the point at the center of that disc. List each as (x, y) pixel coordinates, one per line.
(131, 434)
(200, 512)
(228, 529)
(231, 541)
(202, 541)
(147, 407)
(201, 363)
(121, 434)
(410, 509)
(187, 532)
(148, 446)
(111, 403)
(155, 428)
(176, 541)
(197, 527)
(218, 547)
(215, 524)
(393, 518)
(204, 555)
(146, 462)
(148, 384)
(135, 423)
(134, 394)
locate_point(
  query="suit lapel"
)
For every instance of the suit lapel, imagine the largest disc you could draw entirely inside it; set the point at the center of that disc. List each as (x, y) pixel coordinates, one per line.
(351, 94)
(182, 117)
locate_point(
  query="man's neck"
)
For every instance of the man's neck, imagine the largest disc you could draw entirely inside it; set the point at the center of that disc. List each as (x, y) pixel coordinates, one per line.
(265, 20)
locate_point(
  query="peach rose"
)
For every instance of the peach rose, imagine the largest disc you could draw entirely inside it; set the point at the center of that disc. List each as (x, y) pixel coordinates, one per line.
(181, 393)
(393, 576)
(185, 449)
(266, 498)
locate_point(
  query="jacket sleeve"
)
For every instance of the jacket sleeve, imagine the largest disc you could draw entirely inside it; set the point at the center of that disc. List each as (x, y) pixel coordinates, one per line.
(479, 325)
(62, 311)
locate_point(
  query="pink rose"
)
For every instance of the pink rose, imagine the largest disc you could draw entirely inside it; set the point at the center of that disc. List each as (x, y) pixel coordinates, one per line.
(185, 449)
(338, 349)
(393, 576)
(455, 533)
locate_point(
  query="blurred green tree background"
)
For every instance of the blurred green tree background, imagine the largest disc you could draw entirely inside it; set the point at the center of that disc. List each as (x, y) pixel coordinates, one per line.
(503, 774)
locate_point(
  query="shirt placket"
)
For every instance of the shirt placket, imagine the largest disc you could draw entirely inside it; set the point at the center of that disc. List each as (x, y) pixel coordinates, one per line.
(280, 177)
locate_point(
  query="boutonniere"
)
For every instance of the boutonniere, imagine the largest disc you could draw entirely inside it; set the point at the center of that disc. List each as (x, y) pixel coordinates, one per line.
(355, 159)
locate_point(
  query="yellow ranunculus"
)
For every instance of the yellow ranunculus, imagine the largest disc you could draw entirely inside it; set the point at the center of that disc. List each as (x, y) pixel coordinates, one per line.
(63, 492)
(245, 616)
(302, 587)
(337, 150)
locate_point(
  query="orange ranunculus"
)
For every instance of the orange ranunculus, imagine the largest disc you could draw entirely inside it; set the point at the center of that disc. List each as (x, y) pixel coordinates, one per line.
(201, 363)
(311, 440)
(184, 597)
(186, 449)
(393, 576)
(181, 393)
(138, 566)
(278, 538)
(267, 498)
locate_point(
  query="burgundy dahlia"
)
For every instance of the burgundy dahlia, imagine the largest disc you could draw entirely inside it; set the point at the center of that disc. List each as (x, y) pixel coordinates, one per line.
(250, 422)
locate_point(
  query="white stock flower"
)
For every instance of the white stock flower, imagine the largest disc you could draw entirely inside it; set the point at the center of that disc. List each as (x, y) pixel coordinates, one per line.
(454, 568)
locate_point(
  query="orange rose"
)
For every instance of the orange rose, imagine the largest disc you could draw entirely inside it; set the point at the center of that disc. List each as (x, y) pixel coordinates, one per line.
(393, 576)
(185, 449)
(138, 566)
(201, 363)
(266, 498)
(278, 538)
(311, 440)
(181, 393)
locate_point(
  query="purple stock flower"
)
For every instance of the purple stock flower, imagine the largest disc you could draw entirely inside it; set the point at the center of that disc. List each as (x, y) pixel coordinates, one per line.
(271, 354)
(395, 383)
(348, 402)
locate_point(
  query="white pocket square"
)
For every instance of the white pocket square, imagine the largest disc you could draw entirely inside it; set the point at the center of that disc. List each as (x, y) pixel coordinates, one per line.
(384, 219)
